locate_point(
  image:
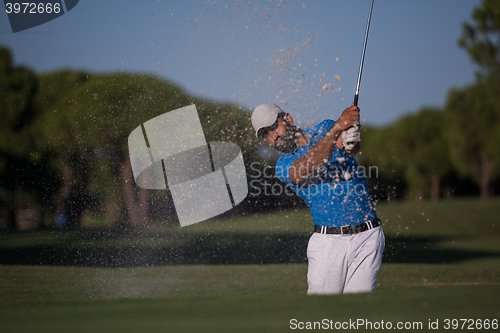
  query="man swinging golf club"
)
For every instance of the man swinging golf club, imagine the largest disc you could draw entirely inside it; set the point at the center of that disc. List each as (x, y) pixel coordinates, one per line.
(345, 250)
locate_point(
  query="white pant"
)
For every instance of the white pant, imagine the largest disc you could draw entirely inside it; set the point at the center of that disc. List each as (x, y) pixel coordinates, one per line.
(348, 264)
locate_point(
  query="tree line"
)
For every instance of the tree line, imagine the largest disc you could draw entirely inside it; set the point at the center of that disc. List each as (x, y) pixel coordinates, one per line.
(63, 141)
(454, 149)
(64, 152)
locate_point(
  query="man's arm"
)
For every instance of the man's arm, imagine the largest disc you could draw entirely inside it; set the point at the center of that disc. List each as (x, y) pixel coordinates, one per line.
(322, 150)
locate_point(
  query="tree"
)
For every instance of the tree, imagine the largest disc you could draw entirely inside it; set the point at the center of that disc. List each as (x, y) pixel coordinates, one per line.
(88, 125)
(18, 87)
(473, 113)
(384, 166)
(424, 151)
(25, 174)
(53, 133)
(473, 118)
(76, 125)
(481, 38)
(95, 119)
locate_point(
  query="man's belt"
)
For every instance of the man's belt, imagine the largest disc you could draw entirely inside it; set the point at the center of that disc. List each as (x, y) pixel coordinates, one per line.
(348, 229)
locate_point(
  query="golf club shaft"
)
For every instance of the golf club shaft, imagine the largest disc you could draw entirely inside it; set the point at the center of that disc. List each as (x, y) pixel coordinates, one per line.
(363, 55)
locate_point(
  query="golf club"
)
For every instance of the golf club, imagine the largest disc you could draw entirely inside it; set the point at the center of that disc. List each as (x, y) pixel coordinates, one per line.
(363, 55)
(351, 145)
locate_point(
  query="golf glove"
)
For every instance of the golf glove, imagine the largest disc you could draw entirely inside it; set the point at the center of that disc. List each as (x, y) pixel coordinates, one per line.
(351, 137)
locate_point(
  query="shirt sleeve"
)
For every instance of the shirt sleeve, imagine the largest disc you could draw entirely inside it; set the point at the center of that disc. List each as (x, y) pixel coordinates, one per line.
(283, 166)
(285, 162)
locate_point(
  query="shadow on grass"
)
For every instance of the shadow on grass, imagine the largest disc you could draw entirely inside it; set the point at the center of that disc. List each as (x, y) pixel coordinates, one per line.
(116, 248)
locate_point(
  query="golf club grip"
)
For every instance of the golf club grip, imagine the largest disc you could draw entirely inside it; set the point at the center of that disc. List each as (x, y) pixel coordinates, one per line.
(356, 123)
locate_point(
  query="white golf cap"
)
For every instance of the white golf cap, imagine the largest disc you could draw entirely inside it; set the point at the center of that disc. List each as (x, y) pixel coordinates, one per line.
(264, 115)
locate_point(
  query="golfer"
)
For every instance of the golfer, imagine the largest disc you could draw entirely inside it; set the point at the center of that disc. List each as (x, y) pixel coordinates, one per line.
(345, 250)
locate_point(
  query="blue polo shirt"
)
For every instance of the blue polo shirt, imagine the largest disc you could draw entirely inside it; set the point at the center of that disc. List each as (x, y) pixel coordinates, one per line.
(337, 193)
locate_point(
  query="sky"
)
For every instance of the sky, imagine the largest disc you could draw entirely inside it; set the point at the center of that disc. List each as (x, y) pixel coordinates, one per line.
(301, 55)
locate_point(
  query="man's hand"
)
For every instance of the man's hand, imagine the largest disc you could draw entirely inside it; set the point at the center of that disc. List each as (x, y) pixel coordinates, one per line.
(322, 150)
(351, 138)
(348, 117)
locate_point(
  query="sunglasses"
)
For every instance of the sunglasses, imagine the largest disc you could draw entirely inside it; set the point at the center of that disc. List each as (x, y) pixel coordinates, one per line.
(264, 132)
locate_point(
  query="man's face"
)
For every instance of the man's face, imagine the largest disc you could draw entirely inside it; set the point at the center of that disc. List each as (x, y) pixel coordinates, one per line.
(273, 135)
(284, 136)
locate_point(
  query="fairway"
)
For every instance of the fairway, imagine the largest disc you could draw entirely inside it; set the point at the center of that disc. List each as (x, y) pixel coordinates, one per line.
(248, 274)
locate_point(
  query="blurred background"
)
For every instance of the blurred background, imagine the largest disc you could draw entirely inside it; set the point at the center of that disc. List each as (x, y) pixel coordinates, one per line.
(73, 89)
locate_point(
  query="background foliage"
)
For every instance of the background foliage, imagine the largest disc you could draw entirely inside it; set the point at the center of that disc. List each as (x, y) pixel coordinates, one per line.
(63, 141)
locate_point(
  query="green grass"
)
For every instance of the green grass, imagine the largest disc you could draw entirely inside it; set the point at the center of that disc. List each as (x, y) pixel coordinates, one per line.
(458, 217)
(34, 284)
(253, 313)
(247, 274)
